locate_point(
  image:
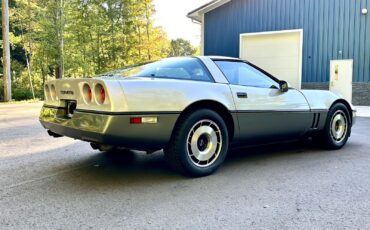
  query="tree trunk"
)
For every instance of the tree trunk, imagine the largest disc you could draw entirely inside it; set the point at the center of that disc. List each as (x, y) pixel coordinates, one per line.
(6, 52)
(147, 17)
(28, 57)
(30, 77)
(59, 71)
(30, 34)
(44, 77)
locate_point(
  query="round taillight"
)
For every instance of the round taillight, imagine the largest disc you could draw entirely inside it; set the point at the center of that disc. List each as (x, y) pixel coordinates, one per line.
(87, 93)
(99, 94)
(53, 93)
(47, 93)
(102, 94)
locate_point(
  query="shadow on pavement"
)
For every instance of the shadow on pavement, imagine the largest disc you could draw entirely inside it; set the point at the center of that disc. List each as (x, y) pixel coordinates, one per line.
(128, 169)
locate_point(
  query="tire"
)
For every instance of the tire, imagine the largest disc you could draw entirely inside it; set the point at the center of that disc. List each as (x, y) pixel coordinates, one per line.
(337, 127)
(199, 143)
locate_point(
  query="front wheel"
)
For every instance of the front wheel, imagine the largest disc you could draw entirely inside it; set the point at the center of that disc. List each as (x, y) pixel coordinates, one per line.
(337, 128)
(199, 143)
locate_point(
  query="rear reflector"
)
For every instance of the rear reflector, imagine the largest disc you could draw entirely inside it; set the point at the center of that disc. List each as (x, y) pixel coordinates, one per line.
(143, 120)
(135, 120)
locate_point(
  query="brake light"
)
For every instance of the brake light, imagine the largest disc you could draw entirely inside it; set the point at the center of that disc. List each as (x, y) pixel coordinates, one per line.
(87, 93)
(47, 93)
(53, 93)
(100, 94)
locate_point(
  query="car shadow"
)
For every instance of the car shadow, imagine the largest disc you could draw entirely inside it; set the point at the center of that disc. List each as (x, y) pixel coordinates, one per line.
(273, 150)
(120, 169)
(128, 169)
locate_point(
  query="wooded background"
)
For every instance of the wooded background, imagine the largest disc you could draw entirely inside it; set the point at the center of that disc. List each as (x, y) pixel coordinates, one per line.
(81, 38)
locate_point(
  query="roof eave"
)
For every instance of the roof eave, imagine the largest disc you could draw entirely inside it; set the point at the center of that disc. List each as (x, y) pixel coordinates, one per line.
(197, 14)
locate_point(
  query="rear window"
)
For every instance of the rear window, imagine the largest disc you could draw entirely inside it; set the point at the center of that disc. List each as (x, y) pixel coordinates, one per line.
(184, 68)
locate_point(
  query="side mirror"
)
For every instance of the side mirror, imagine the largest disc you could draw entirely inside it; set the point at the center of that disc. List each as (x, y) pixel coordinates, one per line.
(284, 87)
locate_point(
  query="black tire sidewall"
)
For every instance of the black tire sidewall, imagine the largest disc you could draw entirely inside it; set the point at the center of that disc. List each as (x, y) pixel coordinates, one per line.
(328, 139)
(191, 120)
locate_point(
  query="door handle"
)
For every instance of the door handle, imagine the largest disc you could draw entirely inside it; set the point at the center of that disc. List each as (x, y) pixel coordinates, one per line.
(242, 95)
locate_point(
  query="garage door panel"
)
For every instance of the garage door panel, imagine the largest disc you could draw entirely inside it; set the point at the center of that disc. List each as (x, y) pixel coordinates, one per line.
(268, 50)
(285, 62)
(277, 67)
(260, 53)
(279, 53)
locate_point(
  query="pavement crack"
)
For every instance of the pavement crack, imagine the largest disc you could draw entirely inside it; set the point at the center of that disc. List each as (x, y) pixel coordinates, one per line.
(6, 189)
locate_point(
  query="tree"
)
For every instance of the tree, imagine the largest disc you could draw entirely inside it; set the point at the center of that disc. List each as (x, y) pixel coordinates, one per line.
(51, 38)
(6, 51)
(181, 47)
(51, 33)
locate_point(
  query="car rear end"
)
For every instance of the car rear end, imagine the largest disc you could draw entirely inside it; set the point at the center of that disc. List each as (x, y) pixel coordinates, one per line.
(95, 110)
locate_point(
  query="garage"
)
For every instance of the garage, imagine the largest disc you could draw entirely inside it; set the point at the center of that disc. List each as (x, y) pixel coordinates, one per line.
(310, 44)
(277, 52)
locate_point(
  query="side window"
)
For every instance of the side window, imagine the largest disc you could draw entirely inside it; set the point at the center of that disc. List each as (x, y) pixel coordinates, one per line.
(240, 73)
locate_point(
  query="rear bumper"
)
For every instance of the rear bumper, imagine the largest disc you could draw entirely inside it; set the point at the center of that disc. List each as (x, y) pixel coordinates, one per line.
(111, 129)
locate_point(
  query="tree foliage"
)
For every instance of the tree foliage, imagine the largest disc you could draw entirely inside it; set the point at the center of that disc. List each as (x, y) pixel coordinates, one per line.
(181, 47)
(83, 38)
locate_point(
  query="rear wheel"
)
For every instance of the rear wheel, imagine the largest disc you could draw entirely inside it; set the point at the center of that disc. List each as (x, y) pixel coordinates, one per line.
(199, 143)
(337, 128)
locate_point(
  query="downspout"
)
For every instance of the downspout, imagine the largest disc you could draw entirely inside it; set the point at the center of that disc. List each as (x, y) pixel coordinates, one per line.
(201, 23)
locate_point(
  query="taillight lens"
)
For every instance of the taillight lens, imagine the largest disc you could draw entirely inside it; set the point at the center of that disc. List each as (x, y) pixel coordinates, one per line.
(87, 93)
(47, 93)
(53, 93)
(100, 94)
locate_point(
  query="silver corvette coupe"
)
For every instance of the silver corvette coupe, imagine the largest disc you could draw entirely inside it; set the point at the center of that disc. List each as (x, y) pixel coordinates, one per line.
(194, 108)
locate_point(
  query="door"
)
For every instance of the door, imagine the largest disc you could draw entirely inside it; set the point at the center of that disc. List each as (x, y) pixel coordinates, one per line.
(264, 112)
(277, 52)
(341, 72)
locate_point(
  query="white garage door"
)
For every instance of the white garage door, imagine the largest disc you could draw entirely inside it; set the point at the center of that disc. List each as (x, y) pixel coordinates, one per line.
(277, 52)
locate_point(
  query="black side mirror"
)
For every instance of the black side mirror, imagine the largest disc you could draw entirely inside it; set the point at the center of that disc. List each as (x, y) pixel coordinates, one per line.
(284, 87)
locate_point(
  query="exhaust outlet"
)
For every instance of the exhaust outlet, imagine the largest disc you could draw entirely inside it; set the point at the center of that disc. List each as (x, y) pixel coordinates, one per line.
(101, 147)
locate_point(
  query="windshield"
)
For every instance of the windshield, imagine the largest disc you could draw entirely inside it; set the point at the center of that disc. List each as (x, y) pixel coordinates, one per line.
(185, 68)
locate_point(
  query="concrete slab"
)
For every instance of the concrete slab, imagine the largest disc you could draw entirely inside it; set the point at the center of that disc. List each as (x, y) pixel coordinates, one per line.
(363, 111)
(49, 183)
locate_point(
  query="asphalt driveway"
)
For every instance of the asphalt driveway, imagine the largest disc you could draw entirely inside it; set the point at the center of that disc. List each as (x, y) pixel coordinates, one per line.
(49, 183)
